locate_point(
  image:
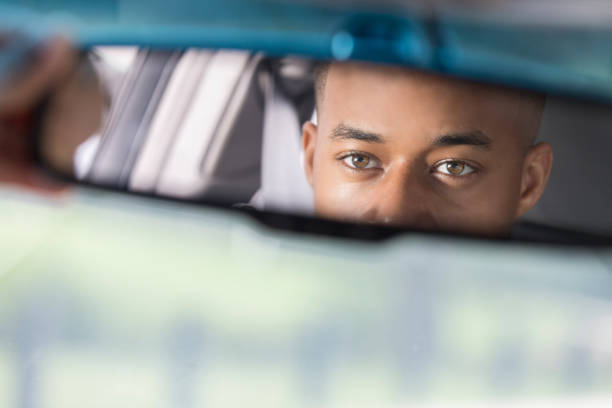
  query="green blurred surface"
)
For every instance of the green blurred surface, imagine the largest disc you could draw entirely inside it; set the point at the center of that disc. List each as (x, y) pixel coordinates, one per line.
(107, 299)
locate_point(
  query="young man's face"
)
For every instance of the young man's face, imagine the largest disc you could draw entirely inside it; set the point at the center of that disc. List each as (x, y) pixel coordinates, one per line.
(408, 148)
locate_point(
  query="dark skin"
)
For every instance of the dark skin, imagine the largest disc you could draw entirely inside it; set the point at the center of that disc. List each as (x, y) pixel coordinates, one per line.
(401, 147)
(72, 113)
(50, 67)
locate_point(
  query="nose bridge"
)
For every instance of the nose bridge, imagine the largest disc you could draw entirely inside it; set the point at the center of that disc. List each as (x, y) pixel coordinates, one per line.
(402, 198)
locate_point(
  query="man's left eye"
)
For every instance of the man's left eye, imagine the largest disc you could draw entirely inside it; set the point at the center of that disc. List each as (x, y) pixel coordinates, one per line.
(454, 168)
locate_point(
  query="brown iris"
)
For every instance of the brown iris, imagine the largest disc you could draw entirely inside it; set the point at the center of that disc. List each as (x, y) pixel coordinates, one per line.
(455, 167)
(360, 161)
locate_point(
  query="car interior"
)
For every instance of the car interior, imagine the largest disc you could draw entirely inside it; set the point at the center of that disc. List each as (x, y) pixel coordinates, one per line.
(204, 124)
(178, 262)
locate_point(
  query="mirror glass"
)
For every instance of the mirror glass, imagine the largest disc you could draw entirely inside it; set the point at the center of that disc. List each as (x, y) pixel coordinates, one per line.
(349, 141)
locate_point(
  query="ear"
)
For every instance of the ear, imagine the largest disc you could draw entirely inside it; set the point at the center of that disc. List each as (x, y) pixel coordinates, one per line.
(309, 140)
(536, 169)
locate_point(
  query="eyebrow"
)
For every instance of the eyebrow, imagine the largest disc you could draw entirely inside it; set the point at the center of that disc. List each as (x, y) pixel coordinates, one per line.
(475, 138)
(472, 138)
(343, 132)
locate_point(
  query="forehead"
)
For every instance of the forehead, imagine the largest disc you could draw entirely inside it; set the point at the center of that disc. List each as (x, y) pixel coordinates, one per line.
(394, 99)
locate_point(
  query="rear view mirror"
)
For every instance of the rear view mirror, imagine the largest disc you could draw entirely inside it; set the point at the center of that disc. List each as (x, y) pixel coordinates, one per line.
(347, 141)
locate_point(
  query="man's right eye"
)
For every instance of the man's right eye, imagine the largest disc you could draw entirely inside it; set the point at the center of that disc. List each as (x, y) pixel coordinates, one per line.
(360, 161)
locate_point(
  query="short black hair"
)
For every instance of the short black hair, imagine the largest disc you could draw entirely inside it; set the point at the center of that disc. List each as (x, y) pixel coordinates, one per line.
(536, 98)
(321, 70)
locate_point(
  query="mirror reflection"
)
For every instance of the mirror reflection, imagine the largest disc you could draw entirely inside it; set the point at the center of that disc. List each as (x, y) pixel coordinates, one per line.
(350, 141)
